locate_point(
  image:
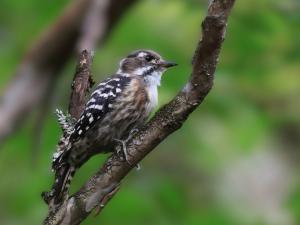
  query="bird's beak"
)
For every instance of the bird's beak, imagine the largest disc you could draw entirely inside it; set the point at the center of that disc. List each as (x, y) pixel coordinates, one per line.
(167, 64)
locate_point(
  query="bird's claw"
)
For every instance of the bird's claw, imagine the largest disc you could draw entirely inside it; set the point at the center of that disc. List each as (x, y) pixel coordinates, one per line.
(124, 148)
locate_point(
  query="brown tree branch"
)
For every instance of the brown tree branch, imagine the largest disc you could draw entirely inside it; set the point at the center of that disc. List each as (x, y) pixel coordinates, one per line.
(47, 57)
(167, 120)
(81, 85)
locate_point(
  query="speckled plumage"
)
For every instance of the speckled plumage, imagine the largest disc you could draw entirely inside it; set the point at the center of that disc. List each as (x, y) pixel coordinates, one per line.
(117, 105)
(124, 111)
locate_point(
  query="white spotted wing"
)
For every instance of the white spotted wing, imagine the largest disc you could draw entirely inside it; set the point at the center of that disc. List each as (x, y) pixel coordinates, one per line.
(99, 104)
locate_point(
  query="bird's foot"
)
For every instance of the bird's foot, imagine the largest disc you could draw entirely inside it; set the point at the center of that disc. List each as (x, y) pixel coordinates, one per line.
(123, 147)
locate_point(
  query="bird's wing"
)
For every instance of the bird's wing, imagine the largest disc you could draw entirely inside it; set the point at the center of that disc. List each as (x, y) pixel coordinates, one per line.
(96, 108)
(99, 104)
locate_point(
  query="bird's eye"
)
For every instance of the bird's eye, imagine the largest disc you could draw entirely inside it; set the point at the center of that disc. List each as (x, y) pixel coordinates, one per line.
(149, 58)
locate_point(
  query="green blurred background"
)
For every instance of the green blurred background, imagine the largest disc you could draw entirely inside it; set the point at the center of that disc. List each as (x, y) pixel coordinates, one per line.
(234, 162)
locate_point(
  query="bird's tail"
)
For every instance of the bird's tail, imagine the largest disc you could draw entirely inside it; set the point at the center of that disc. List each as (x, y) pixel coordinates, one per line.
(63, 178)
(61, 185)
(64, 172)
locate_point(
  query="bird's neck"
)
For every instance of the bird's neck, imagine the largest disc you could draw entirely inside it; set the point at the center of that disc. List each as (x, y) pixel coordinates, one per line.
(153, 79)
(151, 76)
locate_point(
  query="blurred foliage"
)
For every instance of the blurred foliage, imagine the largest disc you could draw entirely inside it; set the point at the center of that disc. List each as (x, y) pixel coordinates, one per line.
(253, 105)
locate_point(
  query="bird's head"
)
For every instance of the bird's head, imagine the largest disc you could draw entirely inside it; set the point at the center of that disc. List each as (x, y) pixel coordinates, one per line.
(144, 63)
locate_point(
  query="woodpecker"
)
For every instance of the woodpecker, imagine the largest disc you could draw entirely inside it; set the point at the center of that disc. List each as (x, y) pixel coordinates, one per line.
(118, 105)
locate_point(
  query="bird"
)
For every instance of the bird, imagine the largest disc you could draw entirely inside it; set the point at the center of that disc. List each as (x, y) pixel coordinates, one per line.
(119, 105)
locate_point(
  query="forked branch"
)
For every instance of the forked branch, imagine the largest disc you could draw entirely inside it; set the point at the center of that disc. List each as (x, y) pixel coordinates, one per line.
(167, 120)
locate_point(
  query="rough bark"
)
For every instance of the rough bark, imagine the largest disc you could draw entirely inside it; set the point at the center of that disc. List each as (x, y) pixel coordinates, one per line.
(81, 85)
(42, 64)
(105, 183)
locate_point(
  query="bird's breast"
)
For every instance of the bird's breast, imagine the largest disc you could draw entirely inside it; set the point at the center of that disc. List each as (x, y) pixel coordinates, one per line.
(152, 98)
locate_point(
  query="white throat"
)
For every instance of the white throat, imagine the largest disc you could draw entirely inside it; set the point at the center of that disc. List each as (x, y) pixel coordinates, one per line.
(152, 81)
